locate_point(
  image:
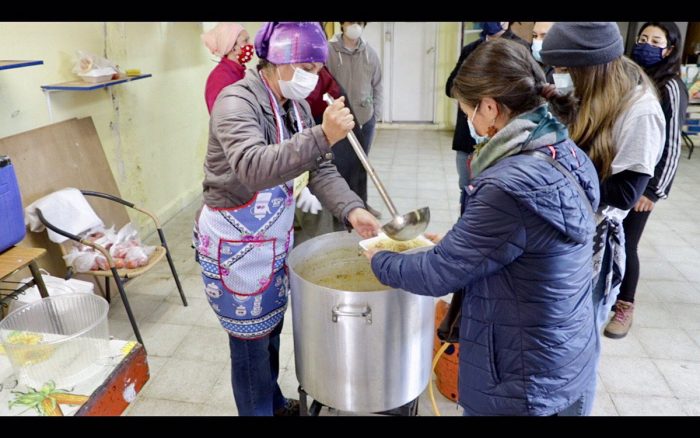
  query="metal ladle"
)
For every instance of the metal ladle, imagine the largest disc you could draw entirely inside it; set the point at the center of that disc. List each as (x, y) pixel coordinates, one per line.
(401, 227)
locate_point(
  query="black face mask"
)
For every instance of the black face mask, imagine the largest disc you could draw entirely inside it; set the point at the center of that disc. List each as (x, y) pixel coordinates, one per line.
(647, 55)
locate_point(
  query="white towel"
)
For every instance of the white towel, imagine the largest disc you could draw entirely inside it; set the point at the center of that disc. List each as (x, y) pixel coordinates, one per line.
(67, 209)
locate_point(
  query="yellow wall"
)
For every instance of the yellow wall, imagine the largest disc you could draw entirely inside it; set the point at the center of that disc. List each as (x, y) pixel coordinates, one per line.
(448, 54)
(153, 131)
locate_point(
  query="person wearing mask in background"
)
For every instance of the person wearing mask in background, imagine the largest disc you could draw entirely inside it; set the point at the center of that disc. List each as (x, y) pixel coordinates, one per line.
(621, 126)
(262, 136)
(357, 69)
(520, 254)
(314, 221)
(462, 142)
(658, 51)
(539, 31)
(231, 43)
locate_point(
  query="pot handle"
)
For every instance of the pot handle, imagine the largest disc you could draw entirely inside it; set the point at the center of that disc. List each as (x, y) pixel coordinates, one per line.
(354, 311)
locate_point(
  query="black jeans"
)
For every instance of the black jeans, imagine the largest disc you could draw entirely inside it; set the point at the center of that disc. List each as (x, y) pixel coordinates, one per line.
(634, 225)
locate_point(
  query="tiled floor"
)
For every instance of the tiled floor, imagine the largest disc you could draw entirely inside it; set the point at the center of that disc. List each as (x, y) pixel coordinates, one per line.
(655, 370)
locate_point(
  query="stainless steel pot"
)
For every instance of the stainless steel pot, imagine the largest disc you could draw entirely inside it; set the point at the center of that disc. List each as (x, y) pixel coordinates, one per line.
(359, 346)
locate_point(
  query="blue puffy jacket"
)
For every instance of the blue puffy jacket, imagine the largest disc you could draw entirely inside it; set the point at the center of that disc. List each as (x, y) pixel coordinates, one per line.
(522, 255)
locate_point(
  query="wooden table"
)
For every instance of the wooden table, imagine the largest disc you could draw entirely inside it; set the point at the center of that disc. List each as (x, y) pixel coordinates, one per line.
(19, 257)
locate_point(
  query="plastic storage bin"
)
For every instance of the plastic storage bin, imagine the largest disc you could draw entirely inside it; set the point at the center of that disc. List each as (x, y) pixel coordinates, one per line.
(12, 228)
(64, 339)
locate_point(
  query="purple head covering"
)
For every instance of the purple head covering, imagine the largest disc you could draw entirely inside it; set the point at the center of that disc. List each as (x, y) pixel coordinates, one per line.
(291, 42)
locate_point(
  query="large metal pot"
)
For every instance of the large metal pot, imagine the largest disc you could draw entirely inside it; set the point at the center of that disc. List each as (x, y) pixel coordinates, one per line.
(359, 346)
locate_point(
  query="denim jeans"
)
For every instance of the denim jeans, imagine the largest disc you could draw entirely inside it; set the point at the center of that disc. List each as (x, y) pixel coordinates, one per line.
(581, 407)
(463, 172)
(254, 372)
(368, 133)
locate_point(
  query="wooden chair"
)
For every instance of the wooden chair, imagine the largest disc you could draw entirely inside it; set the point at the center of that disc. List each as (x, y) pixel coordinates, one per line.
(121, 276)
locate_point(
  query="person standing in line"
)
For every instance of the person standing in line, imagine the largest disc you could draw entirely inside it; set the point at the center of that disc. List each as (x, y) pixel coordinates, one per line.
(620, 124)
(463, 142)
(356, 67)
(539, 32)
(231, 43)
(658, 52)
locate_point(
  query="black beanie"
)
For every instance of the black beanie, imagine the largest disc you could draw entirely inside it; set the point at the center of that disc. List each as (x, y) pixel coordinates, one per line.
(581, 44)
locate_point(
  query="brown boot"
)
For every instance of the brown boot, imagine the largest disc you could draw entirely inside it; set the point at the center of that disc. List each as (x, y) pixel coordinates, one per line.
(621, 322)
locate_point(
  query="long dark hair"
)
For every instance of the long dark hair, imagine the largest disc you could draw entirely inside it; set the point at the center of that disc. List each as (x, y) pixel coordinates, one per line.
(670, 66)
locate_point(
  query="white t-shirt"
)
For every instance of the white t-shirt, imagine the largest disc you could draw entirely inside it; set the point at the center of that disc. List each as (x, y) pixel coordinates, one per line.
(639, 136)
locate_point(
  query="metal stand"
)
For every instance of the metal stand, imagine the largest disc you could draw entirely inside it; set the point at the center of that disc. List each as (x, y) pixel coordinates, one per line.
(410, 409)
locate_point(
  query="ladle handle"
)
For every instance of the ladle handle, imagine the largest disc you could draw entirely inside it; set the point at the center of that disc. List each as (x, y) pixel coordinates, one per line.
(368, 167)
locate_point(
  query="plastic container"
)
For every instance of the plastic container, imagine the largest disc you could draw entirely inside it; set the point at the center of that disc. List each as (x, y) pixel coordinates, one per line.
(382, 241)
(98, 75)
(63, 339)
(11, 211)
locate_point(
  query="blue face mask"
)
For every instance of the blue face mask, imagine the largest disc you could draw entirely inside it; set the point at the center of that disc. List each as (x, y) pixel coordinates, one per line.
(477, 138)
(647, 55)
(491, 27)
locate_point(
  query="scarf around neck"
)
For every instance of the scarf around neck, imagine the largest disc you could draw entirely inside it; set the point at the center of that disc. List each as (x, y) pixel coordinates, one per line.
(528, 131)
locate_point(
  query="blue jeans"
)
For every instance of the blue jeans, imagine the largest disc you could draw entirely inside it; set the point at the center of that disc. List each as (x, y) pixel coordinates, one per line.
(368, 133)
(581, 407)
(463, 172)
(254, 371)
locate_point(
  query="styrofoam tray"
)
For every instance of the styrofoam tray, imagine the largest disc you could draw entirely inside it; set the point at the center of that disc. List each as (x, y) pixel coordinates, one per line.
(381, 237)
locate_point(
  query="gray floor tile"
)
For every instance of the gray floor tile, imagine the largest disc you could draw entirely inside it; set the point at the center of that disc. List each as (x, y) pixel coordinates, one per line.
(695, 335)
(603, 406)
(143, 406)
(683, 377)
(632, 375)
(674, 291)
(685, 315)
(628, 346)
(217, 410)
(649, 314)
(141, 306)
(184, 380)
(668, 343)
(205, 344)
(163, 339)
(691, 406)
(222, 393)
(155, 364)
(171, 313)
(636, 405)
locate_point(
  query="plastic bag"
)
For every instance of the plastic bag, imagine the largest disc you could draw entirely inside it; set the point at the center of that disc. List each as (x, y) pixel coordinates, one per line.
(124, 247)
(89, 64)
(54, 285)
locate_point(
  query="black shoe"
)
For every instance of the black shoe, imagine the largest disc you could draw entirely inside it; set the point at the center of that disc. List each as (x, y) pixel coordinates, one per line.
(290, 409)
(375, 213)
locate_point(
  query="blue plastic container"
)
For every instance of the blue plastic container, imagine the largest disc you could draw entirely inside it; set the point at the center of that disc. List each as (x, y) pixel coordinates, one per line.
(12, 228)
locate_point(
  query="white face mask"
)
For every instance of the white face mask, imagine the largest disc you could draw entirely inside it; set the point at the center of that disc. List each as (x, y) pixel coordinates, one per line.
(301, 85)
(563, 82)
(536, 48)
(354, 31)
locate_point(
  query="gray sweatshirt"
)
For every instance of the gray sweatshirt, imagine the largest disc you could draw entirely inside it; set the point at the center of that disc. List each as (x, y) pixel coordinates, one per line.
(359, 72)
(243, 155)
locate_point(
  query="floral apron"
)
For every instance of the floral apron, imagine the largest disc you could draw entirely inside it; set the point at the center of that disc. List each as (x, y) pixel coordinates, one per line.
(243, 253)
